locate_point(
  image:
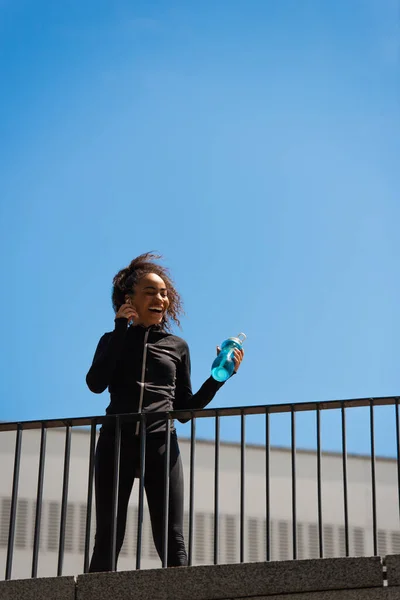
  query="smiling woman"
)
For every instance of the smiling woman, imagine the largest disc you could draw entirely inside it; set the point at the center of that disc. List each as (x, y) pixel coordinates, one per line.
(145, 279)
(149, 301)
(147, 370)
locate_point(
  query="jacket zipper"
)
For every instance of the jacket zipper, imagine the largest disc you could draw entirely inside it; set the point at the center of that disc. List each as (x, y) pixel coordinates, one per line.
(146, 336)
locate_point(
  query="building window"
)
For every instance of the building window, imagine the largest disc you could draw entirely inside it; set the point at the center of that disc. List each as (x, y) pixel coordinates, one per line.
(200, 552)
(313, 541)
(329, 548)
(342, 540)
(230, 539)
(129, 546)
(69, 528)
(253, 541)
(382, 542)
(283, 535)
(82, 527)
(359, 541)
(21, 528)
(5, 521)
(301, 550)
(53, 526)
(395, 542)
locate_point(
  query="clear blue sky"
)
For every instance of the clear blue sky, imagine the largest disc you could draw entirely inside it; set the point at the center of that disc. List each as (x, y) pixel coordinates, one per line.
(255, 144)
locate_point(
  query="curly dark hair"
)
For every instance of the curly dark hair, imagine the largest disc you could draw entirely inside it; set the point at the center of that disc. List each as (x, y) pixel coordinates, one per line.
(125, 280)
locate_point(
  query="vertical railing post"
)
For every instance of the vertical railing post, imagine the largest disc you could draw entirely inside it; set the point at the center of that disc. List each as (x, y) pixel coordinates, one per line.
(216, 489)
(396, 408)
(115, 493)
(242, 484)
(39, 500)
(345, 489)
(166, 490)
(267, 489)
(92, 450)
(319, 485)
(373, 479)
(294, 487)
(14, 502)
(64, 501)
(141, 489)
(191, 486)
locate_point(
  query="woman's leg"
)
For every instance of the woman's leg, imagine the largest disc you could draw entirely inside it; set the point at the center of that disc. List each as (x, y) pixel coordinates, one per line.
(104, 477)
(154, 485)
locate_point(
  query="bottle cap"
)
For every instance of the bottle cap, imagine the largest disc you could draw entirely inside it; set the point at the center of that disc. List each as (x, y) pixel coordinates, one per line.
(239, 339)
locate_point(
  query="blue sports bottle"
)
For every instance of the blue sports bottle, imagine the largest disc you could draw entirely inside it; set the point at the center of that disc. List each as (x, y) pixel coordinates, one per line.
(223, 366)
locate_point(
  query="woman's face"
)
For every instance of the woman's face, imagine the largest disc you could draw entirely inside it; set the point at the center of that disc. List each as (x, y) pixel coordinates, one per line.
(150, 300)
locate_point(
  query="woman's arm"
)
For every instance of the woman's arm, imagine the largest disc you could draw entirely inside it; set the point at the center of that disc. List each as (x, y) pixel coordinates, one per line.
(106, 356)
(184, 397)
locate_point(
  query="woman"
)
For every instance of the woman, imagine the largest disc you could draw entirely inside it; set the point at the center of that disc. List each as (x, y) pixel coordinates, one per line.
(146, 369)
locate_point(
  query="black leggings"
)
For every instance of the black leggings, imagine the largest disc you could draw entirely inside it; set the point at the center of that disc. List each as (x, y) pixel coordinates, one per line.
(154, 487)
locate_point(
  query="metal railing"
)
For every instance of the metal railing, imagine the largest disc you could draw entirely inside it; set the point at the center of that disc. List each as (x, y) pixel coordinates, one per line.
(217, 413)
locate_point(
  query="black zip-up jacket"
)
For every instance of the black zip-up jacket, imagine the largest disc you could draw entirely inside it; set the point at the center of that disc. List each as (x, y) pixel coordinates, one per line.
(146, 370)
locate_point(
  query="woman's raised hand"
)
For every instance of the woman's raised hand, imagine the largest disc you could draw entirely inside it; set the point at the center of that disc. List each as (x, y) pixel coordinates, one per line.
(237, 357)
(127, 311)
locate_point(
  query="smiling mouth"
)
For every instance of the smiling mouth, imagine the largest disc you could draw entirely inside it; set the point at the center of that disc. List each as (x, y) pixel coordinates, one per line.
(156, 310)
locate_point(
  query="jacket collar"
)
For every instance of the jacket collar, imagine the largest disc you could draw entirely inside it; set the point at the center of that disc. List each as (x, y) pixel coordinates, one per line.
(149, 328)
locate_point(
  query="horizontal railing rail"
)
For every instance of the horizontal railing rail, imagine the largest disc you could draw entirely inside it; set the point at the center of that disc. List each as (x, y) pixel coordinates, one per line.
(257, 409)
(118, 421)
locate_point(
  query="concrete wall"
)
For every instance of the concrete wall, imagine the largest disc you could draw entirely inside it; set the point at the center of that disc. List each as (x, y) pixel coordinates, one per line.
(325, 579)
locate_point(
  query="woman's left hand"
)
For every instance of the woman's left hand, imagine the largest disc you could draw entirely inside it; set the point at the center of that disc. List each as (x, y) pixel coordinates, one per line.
(237, 357)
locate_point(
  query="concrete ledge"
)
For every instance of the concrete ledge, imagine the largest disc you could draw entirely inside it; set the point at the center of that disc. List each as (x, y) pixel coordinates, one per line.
(49, 588)
(224, 582)
(393, 569)
(364, 594)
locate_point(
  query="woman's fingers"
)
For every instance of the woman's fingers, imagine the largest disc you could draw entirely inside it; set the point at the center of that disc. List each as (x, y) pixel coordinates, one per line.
(238, 357)
(126, 311)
